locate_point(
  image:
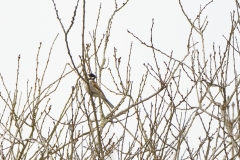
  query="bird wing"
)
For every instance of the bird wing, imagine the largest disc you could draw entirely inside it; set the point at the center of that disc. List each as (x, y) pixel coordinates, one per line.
(96, 89)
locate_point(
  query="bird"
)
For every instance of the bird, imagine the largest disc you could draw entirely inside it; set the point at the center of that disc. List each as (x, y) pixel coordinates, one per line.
(95, 90)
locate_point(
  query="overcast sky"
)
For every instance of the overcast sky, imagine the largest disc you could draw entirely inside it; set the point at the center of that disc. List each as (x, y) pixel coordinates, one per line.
(26, 23)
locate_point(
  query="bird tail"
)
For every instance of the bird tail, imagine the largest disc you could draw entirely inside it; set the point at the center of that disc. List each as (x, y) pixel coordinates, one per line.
(109, 103)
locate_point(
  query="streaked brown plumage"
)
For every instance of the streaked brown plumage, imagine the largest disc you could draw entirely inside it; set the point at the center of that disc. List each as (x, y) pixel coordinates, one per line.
(96, 90)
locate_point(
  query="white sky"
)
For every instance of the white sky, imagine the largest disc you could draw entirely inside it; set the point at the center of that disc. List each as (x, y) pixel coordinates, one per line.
(26, 23)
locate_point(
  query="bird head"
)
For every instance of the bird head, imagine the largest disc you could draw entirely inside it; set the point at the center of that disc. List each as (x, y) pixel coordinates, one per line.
(92, 76)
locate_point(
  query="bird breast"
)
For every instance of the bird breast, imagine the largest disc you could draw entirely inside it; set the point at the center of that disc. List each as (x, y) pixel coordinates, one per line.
(94, 91)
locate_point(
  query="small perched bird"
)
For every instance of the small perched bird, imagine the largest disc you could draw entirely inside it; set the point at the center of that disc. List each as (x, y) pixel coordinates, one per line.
(95, 90)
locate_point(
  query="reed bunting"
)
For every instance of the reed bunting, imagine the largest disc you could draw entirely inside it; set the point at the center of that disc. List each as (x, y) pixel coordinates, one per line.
(95, 90)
